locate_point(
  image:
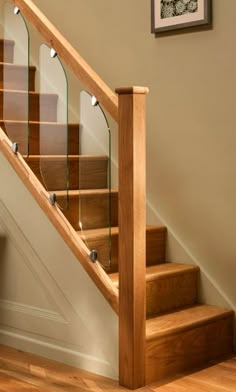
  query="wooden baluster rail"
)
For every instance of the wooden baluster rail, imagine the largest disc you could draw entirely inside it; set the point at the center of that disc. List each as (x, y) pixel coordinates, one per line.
(132, 236)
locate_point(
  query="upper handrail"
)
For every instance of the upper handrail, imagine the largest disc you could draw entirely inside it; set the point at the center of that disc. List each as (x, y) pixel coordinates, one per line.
(70, 56)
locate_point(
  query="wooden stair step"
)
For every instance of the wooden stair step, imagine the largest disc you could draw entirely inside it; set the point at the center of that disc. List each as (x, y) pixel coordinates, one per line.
(99, 239)
(186, 339)
(168, 286)
(6, 50)
(56, 136)
(85, 172)
(17, 77)
(14, 104)
(91, 207)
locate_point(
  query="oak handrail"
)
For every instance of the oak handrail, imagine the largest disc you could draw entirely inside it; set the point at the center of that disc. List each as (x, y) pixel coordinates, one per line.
(70, 56)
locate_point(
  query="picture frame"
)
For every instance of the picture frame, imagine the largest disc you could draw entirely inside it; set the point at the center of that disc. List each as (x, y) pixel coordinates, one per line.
(168, 15)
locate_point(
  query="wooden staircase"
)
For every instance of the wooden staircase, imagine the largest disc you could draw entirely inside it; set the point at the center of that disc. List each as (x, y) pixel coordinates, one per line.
(180, 333)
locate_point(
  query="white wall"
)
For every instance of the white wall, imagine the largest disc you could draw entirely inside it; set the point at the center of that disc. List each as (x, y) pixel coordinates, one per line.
(48, 303)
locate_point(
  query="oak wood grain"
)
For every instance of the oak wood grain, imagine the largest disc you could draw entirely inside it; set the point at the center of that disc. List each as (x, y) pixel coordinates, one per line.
(132, 238)
(32, 370)
(56, 135)
(22, 381)
(12, 384)
(155, 248)
(90, 209)
(51, 371)
(84, 172)
(183, 319)
(17, 77)
(6, 50)
(14, 106)
(188, 385)
(176, 345)
(168, 286)
(224, 373)
(70, 56)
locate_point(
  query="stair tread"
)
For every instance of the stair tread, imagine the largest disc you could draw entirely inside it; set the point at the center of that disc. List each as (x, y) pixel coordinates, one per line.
(8, 41)
(37, 123)
(11, 65)
(160, 271)
(85, 192)
(184, 319)
(103, 232)
(51, 95)
(61, 157)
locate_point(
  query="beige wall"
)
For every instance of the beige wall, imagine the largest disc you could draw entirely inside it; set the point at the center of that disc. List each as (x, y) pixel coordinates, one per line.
(191, 140)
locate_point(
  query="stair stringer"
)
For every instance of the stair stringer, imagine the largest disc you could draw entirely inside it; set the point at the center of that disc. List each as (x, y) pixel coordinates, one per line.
(89, 336)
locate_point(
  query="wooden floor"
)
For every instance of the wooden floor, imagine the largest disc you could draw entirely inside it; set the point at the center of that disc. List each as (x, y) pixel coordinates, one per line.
(21, 372)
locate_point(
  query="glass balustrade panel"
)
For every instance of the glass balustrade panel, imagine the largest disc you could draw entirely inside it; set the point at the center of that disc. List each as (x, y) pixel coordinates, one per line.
(53, 126)
(17, 78)
(72, 160)
(97, 202)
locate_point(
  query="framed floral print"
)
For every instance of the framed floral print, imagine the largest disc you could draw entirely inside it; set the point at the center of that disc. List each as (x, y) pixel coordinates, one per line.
(178, 14)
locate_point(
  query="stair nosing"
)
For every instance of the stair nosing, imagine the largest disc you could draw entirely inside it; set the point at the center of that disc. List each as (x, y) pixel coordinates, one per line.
(115, 230)
(221, 315)
(154, 276)
(12, 65)
(163, 275)
(73, 194)
(9, 91)
(52, 123)
(70, 157)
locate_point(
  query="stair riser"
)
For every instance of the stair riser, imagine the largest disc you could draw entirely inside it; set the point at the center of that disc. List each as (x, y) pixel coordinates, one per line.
(6, 52)
(92, 211)
(16, 78)
(155, 249)
(16, 107)
(167, 356)
(171, 292)
(83, 175)
(56, 138)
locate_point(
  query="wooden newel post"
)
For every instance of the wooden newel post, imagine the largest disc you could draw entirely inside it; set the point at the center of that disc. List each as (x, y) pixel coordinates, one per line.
(132, 236)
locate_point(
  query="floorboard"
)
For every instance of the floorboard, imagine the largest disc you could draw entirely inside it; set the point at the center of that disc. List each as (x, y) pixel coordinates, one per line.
(23, 372)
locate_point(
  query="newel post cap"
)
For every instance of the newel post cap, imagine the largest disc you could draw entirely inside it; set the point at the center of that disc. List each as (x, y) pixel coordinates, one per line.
(132, 90)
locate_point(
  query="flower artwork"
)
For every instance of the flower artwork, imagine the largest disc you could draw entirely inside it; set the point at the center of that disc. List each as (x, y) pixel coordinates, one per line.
(176, 14)
(177, 7)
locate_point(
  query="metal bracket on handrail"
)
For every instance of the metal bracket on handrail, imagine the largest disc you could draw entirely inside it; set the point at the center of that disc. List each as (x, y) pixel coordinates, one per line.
(15, 148)
(52, 199)
(16, 11)
(93, 255)
(53, 53)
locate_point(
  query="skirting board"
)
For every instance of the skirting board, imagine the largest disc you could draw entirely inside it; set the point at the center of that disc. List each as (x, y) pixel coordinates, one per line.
(53, 350)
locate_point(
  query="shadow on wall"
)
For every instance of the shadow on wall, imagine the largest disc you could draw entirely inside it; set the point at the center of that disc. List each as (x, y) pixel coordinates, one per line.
(3, 244)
